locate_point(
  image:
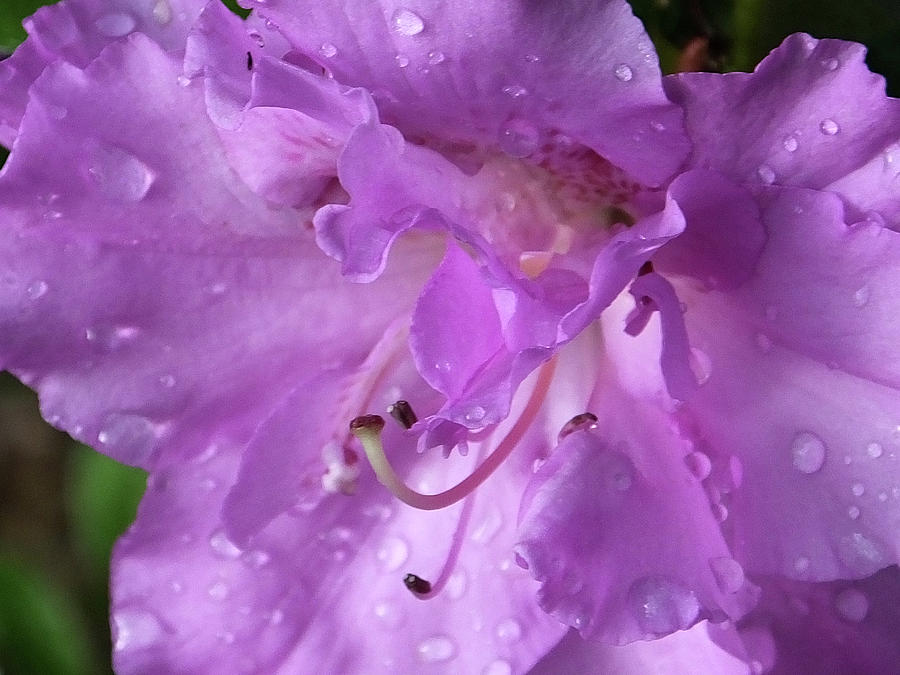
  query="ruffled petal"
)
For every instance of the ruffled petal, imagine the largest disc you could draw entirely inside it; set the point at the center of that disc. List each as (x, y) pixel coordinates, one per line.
(148, 295)
(591, 521)
(789, 123)
(76, 31)
(323, 582)
(800, 405)
(464, 73)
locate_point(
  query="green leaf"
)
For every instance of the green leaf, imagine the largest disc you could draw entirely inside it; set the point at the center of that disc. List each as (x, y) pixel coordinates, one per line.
(11, 15)
(41, 628)
(102, 501)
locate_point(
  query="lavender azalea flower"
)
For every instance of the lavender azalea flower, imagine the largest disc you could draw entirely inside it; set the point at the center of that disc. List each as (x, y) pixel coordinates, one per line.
(637, 335)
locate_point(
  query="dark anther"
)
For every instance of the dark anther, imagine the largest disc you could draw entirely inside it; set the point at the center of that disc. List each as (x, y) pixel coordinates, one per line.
(585, 420)
(646, 268)
(375, 422)
(646, 300)
(402, 412)
(249, 61)
(417, 585)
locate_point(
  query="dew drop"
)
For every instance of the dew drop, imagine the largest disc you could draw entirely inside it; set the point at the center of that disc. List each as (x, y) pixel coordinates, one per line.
(728, 573)
(861, 296)
(532, 58)
(436, 649)
(790, 143)
(168, 381)
(115, 24)
(328, 50)
(457, 584)
(852, 604)
(509, 630)
(874, 450)
(829, 127)
(498, 667)
(388, 613)
(515, 91)
(402, 60)
(518, 138)
(407, 22)
(699, 464)
(853, 512)
(119, 175)
(36, 289)
(862, 554)
(183, 81)
(657, 126)
(218, 591)
(475, 414)
(443, 366)
(162, 12)
(766, 174)
(392, 553)
(858, 489)
(223, 546)
(801, 564)
(134, 629)
(661, 605)
(132, 437)
(830, 64)
(623, 72)
(256, 559)
(436, 57)
(808, 452)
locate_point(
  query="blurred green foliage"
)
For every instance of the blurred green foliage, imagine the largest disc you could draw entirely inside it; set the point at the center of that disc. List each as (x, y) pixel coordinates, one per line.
(54, 568)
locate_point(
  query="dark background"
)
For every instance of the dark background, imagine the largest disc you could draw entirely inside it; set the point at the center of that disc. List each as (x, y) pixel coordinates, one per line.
(62, 505)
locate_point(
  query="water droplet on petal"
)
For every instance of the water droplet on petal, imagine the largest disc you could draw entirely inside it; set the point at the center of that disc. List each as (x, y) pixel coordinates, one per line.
(407, 22)
(661, 605)
(457, 584)
(328, 50)
(183, 81)
(256, 559)
(874, 450)
(498, 667)
(167, 381)
(858, 489)
(808, 452)
(131, 437)
(830, 64)
(790, 143)
(389, 614)
(515, 91)
(436, 649)
(623, 72)
(728, 573)
(475, 414)
(509, 630)
(402, 60)
(766, 174)
(223, 546)
(115, 24)
(699, 464)
(436, 57)
(519, 138)
(134, 629)
(829, 127)
(162, 12)
(861, 296)
(801, 564)
(852, 604)
(862, 554)
(392, 553)
(657, 126)
(532, 58)
(36, 289)
(853, 512)
(218, 591)
(119, 175)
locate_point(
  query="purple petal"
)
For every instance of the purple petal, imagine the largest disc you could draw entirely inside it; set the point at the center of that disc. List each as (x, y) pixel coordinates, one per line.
(591, 523)
(789, 123)
(76, 31)
(836, 627)
(705, 648)
(817, 496)
(465, 73)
